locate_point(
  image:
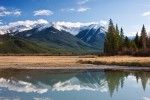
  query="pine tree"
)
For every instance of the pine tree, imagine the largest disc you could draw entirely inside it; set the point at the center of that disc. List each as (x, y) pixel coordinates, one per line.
(121, 38)
(137, 41)
(122, 34)
(143, 38)
(126, 42)
(108, 41)
(118, 38)
(117, 30)
(111, 41)
(133, 45)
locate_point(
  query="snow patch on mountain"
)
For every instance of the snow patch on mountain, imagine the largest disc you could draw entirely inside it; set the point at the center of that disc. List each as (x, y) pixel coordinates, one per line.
(73, 28)
(56, 26)
(41, 27)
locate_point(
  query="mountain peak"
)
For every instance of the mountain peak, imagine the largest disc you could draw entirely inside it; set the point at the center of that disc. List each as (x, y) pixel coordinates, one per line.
(72, 28)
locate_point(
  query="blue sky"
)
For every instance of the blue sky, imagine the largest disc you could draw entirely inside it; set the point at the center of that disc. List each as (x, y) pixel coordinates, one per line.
(129, 14)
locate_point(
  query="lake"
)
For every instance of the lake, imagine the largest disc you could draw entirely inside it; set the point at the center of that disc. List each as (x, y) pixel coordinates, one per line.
(97, 84)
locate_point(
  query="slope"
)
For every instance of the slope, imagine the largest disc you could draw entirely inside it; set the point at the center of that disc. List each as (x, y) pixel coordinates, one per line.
(14, 45)
(57, 39)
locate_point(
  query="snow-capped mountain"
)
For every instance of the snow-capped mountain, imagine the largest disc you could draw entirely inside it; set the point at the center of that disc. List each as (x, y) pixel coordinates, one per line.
(55, 33)
(93, 34)
(73, 28)
(20, 26)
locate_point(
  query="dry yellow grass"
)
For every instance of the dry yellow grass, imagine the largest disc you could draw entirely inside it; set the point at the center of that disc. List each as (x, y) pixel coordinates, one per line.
(61, 61)
(36, 61)
(119, 59)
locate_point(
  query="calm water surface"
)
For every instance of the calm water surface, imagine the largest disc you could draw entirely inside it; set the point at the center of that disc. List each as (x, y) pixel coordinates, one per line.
(74, 85)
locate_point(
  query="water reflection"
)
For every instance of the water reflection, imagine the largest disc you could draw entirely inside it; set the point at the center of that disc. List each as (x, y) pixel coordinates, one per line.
(43, 82)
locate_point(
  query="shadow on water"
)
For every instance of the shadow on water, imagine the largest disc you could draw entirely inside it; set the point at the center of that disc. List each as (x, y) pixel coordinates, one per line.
(42, 81)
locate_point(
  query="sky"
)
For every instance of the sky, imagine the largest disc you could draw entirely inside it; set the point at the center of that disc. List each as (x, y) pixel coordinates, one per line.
(129, 14)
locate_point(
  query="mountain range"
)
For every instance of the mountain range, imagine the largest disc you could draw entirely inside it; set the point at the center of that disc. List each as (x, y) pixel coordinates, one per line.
(52, 38)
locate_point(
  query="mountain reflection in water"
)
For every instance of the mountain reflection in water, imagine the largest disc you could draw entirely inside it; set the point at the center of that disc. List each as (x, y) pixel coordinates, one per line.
(15, 83)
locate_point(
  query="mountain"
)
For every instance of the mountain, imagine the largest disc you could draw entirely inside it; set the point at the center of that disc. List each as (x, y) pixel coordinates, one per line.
(93, 35)
(20, 26)
(14, 45)
(62, 36)
(57, 39)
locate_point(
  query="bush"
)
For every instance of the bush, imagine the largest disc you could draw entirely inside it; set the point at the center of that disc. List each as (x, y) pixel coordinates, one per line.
(145, 53)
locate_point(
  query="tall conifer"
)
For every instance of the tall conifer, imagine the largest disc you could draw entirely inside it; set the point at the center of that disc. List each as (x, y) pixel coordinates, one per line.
(143, 38)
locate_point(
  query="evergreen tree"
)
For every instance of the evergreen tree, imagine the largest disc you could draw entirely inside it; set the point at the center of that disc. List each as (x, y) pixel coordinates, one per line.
(111, 42)
(118, 38)
(108, 41)
(126, 42)
(117, 29)
(143, 38)
(122, 33)
(133, 45)
(137, 40)
(121, 38)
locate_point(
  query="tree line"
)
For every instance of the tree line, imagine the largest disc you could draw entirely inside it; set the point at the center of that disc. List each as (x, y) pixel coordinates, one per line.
(117, 43)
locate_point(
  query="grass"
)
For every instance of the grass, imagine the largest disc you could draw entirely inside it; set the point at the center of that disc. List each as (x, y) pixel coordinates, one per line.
(140, 64)
(118, 60)
(70, 61)
(37, 61)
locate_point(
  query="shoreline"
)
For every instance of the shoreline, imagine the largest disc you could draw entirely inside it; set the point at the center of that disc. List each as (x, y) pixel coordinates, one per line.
(103, 67)
(69, 62)
(85, 67)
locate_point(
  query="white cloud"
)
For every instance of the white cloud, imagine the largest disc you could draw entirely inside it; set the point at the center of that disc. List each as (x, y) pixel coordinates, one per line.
(62, 9)
(82, 2)
(146, 13)
(103, 23)
(5, 12)
(43, 12)
(2, 8)
(28, 23)
(146, 98)
(70, 9)
(82, 9)
(77, 24)
(17, 12)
